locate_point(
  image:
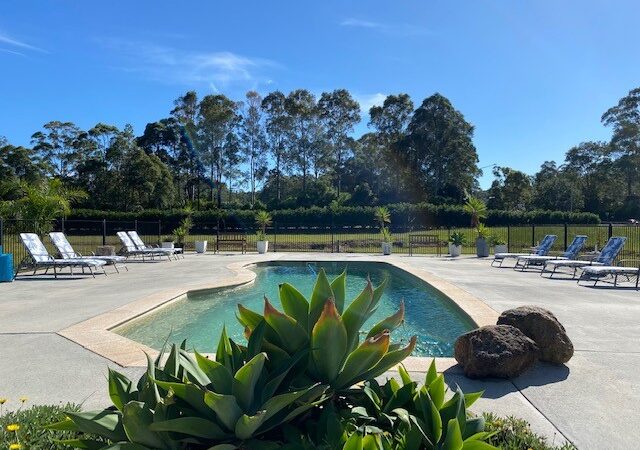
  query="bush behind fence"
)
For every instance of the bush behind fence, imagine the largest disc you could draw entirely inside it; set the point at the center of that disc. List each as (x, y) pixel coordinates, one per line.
(86, 235)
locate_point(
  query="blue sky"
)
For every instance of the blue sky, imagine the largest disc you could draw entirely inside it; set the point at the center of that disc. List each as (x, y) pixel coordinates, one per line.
(533, 77)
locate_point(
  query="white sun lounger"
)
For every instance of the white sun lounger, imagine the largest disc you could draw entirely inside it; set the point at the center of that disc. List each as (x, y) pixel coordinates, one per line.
(542, 250)
(140, 245)
(67, 252)
(524, 262)
(605, 258)
(129, 249)
(39, 258)
(598, 273)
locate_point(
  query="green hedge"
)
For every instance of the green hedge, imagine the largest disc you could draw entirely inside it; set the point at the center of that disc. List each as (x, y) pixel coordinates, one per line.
(402, 215)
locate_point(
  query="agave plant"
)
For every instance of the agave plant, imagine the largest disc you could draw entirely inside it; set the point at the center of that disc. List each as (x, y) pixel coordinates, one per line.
(230, 402)
(329, 332)
(401, 415)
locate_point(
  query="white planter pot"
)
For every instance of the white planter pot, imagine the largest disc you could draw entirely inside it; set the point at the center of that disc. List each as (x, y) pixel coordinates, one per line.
(201, 246)
(263, 246)
(386, 248)
(455, 250)
(168, 245)
(503, 248)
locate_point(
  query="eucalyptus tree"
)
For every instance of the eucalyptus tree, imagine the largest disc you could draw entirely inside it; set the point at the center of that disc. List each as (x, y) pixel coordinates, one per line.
(56, 146)
(438, 149)
(102, 136)
(340, 113)
(278, 129)
(390, 121)
(253, 140)
(512, 190)
(217, 123)
(302, 109)
(624, 118)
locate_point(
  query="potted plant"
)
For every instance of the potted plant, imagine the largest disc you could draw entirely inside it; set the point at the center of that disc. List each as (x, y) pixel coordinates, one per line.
(263, 220)
(456, 241)
(383, 217)
(477, 209)
(499, 245)
(182, 231)
(168, 242)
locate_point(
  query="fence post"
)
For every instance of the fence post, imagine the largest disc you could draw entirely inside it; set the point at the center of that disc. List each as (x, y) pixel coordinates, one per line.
(275, 236)
(508, 238)
(135, 225)
(159, 231)
(62, 224)
(332, 237)
(565, 236)
(104, 231)
(610, 230)
(533, 235)
(1, 235)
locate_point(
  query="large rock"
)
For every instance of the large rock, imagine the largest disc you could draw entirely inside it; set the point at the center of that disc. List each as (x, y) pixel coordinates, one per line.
(544, 328)
(499, 351)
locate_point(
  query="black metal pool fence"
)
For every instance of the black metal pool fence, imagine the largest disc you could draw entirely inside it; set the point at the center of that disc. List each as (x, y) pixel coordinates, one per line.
(86, 235)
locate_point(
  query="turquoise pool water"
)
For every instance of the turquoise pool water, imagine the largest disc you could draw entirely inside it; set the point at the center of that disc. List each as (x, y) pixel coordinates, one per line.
(199, 318)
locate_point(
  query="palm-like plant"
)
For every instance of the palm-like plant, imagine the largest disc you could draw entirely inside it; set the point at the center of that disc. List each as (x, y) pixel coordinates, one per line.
(329, 331)
(263, 220)
(383, 216)
(476, 208)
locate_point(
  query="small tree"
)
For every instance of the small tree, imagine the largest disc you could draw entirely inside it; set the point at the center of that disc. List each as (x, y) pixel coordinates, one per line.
(263, 220)
(476, 208)
(383, 216)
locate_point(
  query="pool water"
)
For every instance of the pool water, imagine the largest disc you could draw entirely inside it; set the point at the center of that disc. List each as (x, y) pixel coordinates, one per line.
(200, 317)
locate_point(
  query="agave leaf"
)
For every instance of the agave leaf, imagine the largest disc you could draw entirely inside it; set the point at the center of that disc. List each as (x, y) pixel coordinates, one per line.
(277, 403)
(136, 419)
(291, 334)
(147, 389)
(248, 318)
(278, 375)
(339, 289)
(192, 426)
(247, 425)
(390, 323)
(193, 370)
(389, 360)
(224, 447)
(377, 295)
(171, 365)
(87, 444)
(473, 427)
(430, 414)
(437, 391)
(362, 359)
(328, 342)
(294, 304)
(432, 373)
(254, 341)
(219, 376)
(404, 375)
(64, 425)
(400, 398)
(119, 389)
(471, 397)
(226, 408)
(245, 379)
(103, 423)
(371, 442)
(353, 443)
(321, 293)
(356, 314)
(453, 439)
(454, 408)
(191, 394)
(223, 353)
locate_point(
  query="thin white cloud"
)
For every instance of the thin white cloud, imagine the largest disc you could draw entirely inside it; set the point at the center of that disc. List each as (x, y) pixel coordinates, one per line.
(13, 42)
(369, 100)
(214, 69)
(13, 52)
(398, 29)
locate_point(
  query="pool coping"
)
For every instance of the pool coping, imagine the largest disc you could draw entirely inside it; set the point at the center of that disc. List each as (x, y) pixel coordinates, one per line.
(96, 335)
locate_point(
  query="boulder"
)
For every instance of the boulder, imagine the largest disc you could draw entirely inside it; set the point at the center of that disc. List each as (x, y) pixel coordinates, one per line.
(544, 328)
(500, 351)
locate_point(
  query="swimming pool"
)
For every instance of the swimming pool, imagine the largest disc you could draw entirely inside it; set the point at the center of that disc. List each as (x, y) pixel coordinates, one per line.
(199, 318)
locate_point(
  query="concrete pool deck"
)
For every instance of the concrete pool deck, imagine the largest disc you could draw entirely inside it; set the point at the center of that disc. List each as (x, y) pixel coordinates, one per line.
(592, 401)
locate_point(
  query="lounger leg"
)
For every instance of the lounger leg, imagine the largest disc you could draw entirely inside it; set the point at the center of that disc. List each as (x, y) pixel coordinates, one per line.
(55, 272)
(553, 271)
(115, 266)
(615, 280)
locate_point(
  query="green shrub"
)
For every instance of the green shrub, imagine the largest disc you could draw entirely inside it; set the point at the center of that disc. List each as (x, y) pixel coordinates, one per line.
(510, 433)
(32, 434)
